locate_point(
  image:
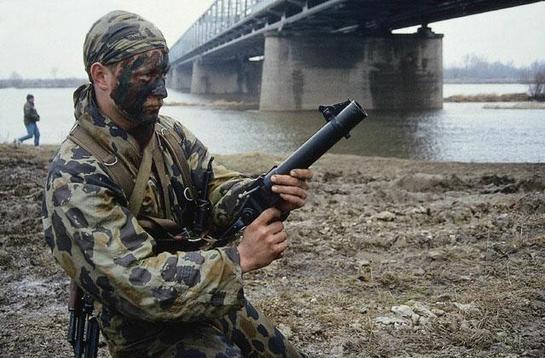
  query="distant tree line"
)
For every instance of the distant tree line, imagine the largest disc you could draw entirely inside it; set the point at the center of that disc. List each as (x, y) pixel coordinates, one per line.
(17, 81)
(477, 69)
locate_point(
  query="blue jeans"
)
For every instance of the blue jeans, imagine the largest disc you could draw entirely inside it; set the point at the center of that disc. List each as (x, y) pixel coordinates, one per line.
(32, 131)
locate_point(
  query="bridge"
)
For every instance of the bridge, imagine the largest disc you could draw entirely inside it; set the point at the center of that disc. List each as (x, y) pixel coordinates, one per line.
(297, 54)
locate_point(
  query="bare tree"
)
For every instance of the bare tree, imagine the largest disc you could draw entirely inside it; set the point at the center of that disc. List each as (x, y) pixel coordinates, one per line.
(536, 85)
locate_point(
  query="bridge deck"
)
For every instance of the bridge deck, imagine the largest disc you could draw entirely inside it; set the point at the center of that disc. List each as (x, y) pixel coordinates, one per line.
(236, 27)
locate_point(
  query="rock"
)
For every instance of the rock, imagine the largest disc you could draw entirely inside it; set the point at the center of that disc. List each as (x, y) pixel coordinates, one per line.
(464, 325)
(384, 216)
(422, 310)
(364, 262)
(436, 255)
(466, 307)
(418, 210)
(502, 220)
(394, 321)
(286, 330)
(356, 326)
(423, 321)
(438, 312)
(363, 309)
(388, 262)
(337, 351)
(419, 271)
(403, 311)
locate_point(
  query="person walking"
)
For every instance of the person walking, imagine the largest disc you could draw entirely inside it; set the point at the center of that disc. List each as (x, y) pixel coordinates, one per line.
(31, 117)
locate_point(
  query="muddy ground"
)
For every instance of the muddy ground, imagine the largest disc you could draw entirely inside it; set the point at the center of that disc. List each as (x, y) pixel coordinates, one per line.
(391, 258)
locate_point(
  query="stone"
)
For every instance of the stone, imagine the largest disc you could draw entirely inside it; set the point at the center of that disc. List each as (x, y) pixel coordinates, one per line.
(422, 310)
(403, 311)
(394, 321)
(384, 216)
(286, 330)
(466, 307)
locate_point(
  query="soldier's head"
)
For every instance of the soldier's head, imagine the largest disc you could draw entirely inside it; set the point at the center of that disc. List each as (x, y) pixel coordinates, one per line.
(30, 98)
(126, 58)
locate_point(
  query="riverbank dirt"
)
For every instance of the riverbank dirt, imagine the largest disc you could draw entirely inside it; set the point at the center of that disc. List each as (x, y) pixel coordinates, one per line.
(389, 258)
(490, 97)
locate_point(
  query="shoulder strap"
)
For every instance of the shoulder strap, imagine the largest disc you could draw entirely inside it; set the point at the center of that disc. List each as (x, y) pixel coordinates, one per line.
(120, 174)
(174, 140)
(144, 172)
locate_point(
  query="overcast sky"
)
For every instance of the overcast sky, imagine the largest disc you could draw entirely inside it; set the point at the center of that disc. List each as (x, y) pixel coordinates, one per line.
(44, 38)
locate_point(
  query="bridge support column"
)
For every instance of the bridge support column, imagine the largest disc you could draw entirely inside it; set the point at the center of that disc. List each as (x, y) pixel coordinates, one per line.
(401, 71)
(179, 78)
(226, 77)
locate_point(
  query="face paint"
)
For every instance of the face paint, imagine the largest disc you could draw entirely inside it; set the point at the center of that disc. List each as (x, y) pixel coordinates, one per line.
(141, 86)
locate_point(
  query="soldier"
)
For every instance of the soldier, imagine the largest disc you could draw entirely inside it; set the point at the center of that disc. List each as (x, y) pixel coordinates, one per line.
(158, 291)
(31, 117)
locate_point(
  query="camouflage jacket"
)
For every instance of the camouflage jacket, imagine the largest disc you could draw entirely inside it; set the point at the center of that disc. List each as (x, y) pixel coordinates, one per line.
(30, 113)
(100, 244)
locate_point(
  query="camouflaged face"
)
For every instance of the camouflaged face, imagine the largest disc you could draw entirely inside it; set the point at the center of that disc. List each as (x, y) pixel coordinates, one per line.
(119, 35)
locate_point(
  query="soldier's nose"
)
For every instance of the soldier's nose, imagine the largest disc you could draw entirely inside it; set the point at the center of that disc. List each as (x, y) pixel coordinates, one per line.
(159, 88)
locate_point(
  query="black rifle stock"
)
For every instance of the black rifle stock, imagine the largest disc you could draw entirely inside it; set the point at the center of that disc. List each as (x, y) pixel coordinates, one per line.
(341, 119)
(83, 330)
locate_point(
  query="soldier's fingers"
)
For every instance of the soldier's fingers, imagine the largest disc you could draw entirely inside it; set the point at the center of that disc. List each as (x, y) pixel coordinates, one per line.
(305, 174)
(286, 180)
(276, 227)
(294, 200)
(299, 184)
(271, 214)
(280, 248)
(291, 190)
(278, 237)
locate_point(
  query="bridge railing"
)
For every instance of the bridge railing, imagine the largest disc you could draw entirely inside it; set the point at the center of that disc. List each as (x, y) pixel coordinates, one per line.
(219, 17)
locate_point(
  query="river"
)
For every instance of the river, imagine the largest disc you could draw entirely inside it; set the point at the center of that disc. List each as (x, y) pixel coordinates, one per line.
(459, 132)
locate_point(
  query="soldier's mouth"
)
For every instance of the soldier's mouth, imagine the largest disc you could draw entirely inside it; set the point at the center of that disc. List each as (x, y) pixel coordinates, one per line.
(152, 109)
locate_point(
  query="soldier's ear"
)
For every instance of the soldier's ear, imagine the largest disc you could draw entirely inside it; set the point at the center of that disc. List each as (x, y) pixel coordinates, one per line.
(101, 75)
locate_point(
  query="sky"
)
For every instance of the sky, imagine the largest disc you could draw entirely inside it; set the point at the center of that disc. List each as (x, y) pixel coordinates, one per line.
(44, 38)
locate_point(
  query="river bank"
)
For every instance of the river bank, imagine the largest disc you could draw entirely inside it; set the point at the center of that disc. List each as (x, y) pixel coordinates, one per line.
(507, 100)
(389, 258)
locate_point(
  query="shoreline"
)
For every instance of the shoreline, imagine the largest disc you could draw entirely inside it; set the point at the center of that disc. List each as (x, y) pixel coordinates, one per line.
(45, 151)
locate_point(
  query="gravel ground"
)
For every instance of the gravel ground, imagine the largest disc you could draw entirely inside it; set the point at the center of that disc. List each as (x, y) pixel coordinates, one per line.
(390, 258)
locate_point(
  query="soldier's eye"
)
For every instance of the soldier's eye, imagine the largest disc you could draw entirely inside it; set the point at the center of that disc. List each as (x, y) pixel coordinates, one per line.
(144, 78)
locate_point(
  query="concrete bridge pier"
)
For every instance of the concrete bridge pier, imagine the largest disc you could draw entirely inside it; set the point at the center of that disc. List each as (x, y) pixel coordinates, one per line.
(179, 78)
(392, 71)
(238, 76)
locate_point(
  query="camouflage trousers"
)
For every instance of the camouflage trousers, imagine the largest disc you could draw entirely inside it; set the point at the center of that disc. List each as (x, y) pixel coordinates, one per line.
(243, 333)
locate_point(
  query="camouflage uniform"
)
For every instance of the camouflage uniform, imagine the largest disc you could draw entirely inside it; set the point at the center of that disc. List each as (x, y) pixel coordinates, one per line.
(150, 302)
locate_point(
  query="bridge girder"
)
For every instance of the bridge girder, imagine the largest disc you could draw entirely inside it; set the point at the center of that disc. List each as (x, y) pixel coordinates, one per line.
(250, 20)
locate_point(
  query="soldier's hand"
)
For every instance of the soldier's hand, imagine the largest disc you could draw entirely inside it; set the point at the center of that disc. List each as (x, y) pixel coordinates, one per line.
(293, 188)
(263, 241)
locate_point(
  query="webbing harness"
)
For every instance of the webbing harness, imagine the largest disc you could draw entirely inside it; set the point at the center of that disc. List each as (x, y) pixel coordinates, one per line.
(131, 180)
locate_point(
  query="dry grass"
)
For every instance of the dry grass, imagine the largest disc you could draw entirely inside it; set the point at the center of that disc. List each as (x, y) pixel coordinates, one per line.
(510, 97)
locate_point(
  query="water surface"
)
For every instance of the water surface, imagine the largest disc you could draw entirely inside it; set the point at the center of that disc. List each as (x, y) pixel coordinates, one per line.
(460, 131)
